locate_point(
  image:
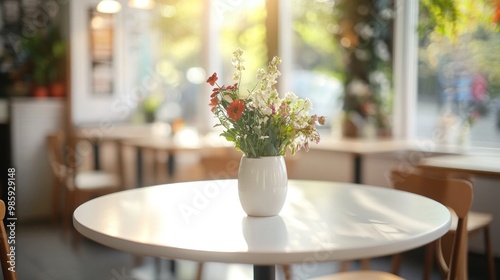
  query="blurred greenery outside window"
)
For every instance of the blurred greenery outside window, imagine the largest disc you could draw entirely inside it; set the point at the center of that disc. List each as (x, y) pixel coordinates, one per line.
(242, 25)
(318, 61)
(458, 73)
(343, 62)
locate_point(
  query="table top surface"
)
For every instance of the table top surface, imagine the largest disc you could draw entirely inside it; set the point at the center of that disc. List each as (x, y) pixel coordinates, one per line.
(488, 165)
(203, 221)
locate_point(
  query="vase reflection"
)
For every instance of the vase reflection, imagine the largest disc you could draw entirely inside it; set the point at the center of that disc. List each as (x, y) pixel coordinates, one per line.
(265, 233)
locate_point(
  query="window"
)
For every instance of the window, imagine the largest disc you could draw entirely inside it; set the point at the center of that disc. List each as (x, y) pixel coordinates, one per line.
(178, 61)
(196, 39)
(458, 74)
(343, 62)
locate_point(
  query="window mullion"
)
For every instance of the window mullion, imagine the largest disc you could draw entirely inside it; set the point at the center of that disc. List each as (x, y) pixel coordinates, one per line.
(405, 69)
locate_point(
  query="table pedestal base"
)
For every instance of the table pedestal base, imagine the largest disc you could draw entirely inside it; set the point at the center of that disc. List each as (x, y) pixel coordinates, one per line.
(264, 272)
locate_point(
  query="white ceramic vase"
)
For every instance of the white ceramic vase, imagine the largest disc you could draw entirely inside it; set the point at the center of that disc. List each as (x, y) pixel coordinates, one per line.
(262, 185)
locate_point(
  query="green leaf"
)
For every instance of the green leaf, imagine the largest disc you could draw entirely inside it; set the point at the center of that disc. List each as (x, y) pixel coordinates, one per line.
(228, 136)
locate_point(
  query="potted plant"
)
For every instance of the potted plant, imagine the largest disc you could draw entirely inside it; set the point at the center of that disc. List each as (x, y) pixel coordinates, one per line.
(45, 55)
(57, 70)
(150, 105)
(264, 127)
(38, 62)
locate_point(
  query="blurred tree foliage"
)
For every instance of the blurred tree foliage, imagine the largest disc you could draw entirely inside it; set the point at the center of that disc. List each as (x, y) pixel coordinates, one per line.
(180, 38)
(460, 31)
(365, 34)
(177, 49)
(243, 26)
(314, 28)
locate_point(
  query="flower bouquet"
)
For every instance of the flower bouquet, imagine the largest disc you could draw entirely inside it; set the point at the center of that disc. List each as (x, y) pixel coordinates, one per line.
(258, 121)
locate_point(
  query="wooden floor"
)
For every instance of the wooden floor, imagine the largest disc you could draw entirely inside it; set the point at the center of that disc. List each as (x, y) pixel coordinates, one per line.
(44, 253)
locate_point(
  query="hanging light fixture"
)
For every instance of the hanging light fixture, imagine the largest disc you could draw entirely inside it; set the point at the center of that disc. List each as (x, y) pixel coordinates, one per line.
(109, 6)
(141, 4)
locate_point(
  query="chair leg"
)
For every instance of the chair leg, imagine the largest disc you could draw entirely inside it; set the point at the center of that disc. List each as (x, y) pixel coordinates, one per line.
(77, 199)
(365, 264)
(199, 273)
(68, 209)
(344, 266)
(287, 270)
(137, 260)
(429, 260)
(55, 202)
(490, 259)
(396, 263)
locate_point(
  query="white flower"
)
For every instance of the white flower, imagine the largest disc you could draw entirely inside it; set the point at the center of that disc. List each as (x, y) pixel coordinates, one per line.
(260, 74)
(236, 76)
(308, 104)
(290, 96)
(235, 61)
(266, 110)
(264, 120)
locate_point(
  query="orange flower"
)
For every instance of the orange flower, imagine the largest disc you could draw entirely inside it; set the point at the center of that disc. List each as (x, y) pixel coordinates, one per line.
(496, 15)
(235, 109)
(212, 79)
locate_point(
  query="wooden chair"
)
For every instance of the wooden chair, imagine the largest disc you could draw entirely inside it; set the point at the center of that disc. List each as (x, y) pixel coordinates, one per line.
(4, 249)
(477, 222)
(456, 194)
(220, 163)
(78, 186)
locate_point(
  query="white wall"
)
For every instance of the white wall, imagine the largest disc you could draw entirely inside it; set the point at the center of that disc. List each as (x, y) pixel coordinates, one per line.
(32, 120)
(323, 165)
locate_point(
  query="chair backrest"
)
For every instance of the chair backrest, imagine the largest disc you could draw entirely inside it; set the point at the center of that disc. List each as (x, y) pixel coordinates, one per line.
(8, 265)
(54, 146)
(220, 163)
(456, 194)
(55, 154)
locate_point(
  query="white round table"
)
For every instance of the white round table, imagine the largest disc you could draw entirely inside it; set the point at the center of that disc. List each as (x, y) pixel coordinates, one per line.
(321, 221)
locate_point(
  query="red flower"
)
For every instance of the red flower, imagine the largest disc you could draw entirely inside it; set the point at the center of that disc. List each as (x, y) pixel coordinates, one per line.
(215, 91)
(232, 87)
(212, 79)
(214, 102)
(235, 109)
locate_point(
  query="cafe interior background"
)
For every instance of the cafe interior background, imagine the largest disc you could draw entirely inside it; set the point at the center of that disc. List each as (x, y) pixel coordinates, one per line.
(425, 71)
